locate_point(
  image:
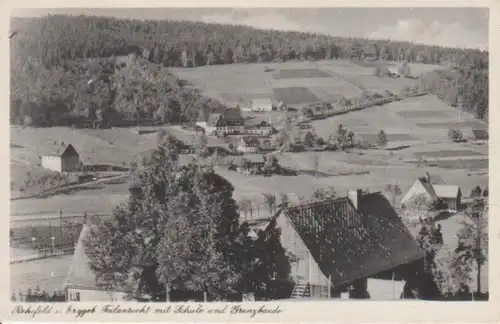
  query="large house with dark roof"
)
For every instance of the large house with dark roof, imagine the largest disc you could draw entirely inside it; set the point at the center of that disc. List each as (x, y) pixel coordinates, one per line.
(337, 245)
(226, 123)
(61, 160)
(450, 195)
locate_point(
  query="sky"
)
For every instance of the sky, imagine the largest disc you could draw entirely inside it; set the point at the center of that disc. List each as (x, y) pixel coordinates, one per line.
(455, 27)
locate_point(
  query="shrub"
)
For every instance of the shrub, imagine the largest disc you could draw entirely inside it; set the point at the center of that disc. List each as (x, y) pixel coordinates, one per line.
(455, 134)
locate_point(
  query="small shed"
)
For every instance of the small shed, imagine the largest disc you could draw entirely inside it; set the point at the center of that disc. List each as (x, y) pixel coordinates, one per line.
(61, 160)
(480, 136)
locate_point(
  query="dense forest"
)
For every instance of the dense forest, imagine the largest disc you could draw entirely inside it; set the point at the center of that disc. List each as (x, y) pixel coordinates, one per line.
(66, 65)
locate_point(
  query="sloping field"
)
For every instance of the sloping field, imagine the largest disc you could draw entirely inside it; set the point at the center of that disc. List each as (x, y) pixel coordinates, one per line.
(238, 83)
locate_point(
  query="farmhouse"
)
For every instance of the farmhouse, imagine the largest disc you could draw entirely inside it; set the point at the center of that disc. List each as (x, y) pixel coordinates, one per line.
(262, 128)
(262, 104)
(248, 144)
(227, 123)
(81, 283)
(248, 164)
(340, 244)
(449, 194)
(67, 160)
(479, 136)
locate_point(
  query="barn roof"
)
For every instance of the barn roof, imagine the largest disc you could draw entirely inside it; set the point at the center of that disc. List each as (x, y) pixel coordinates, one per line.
(80, 274)
(262, 101)
(446, 191)
(351, 244)
(213, 119)
(428, 187)
(253, 158)
(480, 134)
(69, 150)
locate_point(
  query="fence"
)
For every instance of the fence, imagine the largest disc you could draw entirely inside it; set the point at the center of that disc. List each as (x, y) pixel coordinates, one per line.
(37, 254)
(34, 237)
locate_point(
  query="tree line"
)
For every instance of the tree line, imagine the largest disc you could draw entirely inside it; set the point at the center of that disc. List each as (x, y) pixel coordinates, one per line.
(57, 38)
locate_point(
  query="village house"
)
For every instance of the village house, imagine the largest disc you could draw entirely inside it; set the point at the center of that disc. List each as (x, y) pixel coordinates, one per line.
(262, 128)
(248, 144)
(227, 123)
(424, 186)
(342, 246)
(262, 104)
(61, 160)
(479, 136)
(249, 163)
(81, 283)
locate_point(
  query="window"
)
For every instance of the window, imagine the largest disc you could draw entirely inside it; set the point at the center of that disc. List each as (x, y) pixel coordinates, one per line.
(77, 296)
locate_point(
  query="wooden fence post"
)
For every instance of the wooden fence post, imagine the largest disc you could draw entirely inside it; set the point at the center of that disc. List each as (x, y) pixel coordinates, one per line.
(61, 225)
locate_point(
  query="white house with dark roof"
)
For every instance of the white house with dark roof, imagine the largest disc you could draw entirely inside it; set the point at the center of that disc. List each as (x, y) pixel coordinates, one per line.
(226, 123)
(248, 144)
(424, 186)
(61, 160)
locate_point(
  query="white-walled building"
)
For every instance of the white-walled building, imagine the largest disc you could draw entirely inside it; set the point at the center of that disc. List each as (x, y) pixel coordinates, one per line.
(227, 123)
(262, 104)
(62, 160)
(451, 195)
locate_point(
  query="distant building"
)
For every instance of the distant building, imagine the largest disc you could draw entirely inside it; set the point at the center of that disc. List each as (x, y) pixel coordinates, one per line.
(262, 128)
(451, 195)
(81, 282)
(226, 123)
(248, 144)
(339, 244)
(262, 104)
(479, 136)
(393, 70)
(249, 163)
(280, 106)
(62, 160)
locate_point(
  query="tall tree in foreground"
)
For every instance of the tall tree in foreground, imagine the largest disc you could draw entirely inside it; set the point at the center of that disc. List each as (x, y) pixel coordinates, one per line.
(180, 224)
(472, 249)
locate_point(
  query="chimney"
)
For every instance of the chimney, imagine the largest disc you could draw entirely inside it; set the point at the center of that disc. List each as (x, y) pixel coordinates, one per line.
(428, 177)
(354, 196)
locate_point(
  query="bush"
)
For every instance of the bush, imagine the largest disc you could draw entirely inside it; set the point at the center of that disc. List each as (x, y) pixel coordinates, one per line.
(38, 295)
(455, 134)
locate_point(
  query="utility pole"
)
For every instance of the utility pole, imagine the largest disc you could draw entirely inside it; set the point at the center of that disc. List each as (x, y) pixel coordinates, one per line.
(61, 227)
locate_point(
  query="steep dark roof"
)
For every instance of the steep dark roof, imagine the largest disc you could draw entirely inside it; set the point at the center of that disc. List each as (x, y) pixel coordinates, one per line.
(59, 151)
(428, 187)
(252, 158)
(480, 134)
(213, 119)
(351, 244)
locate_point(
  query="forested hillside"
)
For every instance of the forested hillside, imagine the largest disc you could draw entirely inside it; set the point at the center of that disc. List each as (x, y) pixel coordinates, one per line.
(54, 58)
